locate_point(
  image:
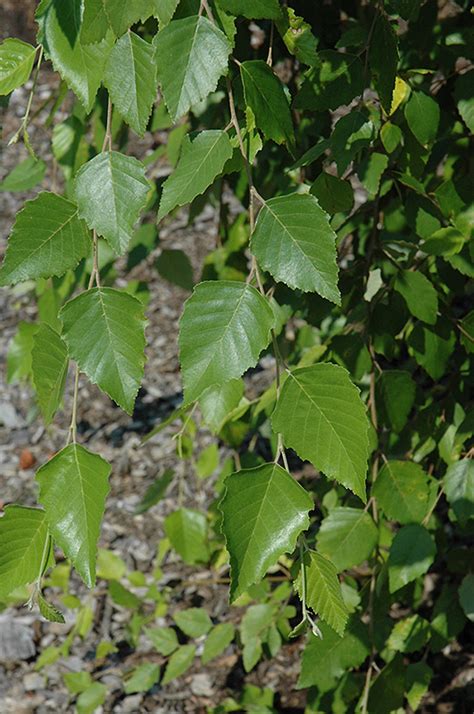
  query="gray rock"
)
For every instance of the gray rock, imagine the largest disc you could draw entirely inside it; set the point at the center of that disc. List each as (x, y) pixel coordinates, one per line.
(16, 640)
(201, 685)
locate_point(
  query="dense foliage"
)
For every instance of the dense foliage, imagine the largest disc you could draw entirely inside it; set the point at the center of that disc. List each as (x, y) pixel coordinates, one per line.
(333, 139)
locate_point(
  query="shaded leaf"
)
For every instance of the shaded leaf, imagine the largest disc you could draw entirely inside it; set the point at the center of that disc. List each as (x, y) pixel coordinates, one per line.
(336, 79)
(459, 487)
(265, 96)
(411, 554)
(397, 391)
(179, 662)
(402, 491)
(49, 364)
(218, 639)
(187, 532)
(422, 114)
(253, 9)
(26, 175)
(333, 193)
(155, 492)
(347, 536)
(142, 678)
(419, 294)
(383, 60)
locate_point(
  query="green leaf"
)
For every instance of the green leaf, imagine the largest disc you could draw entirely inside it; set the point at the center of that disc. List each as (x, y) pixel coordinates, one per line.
(95, 22)
(411, 554)
(445, 241)
(124, 14)
(164, 639)
(323, 591)
(218, 402)
(432, 347)
(336, 79)
(194, 622)
(387, 690)
(464, 98)
(122, 596)
(23, 534)
(333, 193)
(201, 160)
(224, 328)
(155, 492)
(50, 362)
(48, 611)
(26, 175)
(409, 635)
(370, 171)
(264, 94)
(264, 510)
(47, 239)
(326, 660)
(191, 56)
(77, 682)
(321, 416)
(352, 133)
(253, 9)
(165, 10)
(422, 114)
(118, 182)
(466, 596)
(80, 65)
(16, 63)
(383, 60)
(459, 488)
(402, 491)
(179, 662)
(19, 360)
(142, 678)
(175, 267)
(419, 294)
(347, 536)
(295, 243)
(397, 390)
(297, 36)
(75, 521)
(417, 681)
(187, 532)
(91, 698)
(130, 77)
(104, 330)
(391, 136)
(217, 641)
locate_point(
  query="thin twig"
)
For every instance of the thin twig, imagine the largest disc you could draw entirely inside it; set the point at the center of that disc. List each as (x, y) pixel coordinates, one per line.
(73, 425)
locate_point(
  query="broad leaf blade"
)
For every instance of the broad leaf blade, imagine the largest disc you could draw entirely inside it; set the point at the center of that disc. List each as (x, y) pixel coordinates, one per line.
(23, 534)
(295, 243)
(74, 521)
(80, 65)
(47, 239)
(265, 96)
(49, 366)
(323, 591)
(187, 531)
(321, 416)
(402, 491)
(459, 487)
(253, 9)
(191, 56)
(16, 63)
(104, 330)
(411, 554)
(130, 77)
(224, 328)
(419, 294)
(347, 536)
(383, 59)
(117, 182)
(201, 160)
(264, 511)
